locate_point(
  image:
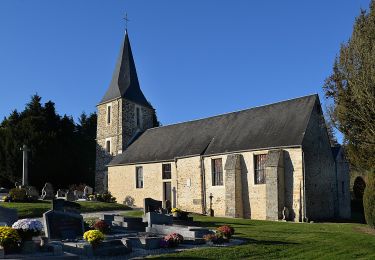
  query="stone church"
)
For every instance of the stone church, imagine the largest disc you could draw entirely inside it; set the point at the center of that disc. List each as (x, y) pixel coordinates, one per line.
(256, 163)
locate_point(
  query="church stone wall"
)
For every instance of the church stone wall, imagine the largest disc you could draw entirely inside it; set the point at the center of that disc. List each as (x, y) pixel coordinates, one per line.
(120, 132)
(343, 185)
(122, 182)
(254, 195)
(320, 173)
(129, 126)
(189, 184)
(105, 132)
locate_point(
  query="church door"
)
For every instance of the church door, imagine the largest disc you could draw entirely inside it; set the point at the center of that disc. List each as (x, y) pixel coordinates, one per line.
(167, 190)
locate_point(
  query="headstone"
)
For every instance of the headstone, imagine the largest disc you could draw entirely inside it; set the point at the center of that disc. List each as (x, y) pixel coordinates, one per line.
(66, 206)
(8, 216)
(78, 194)
(157, 218)
(47, 192)
(69, 196)
(87, 191)
(62, 225)
(32, 192)
(151, 205)
(60, 193)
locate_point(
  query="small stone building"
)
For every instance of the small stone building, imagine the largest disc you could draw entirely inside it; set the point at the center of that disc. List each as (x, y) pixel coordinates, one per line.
(252, 163)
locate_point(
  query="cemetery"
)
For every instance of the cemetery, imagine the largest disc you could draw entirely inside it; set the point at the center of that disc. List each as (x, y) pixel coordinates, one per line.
(63, 232)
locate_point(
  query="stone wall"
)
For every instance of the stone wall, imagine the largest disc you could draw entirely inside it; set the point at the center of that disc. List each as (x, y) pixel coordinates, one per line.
(275, 188)
(122, 182)
(105, 132)
(320, 173)
(343, 185)
(189, 184)
(130, 129)
(233, 186)
(254, 195)
(120, 132)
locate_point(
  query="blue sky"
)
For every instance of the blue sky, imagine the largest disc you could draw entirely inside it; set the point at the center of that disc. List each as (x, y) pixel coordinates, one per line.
(194, 58)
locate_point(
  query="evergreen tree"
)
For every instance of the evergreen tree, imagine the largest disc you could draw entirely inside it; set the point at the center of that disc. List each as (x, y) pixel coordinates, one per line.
(351, 87)
(61, 152)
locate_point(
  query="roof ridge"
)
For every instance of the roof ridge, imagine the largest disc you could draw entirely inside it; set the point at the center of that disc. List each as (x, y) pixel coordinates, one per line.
(233, 112)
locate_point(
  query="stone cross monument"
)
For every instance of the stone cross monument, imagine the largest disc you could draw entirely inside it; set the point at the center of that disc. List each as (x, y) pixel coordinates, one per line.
(25, 176)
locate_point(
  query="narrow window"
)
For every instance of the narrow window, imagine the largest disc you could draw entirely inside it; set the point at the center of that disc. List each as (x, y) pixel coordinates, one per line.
(166, 174)
(138, 116)
(139, 177)
(259, 168)
(109, 114)
(108, 146)
(217, 172)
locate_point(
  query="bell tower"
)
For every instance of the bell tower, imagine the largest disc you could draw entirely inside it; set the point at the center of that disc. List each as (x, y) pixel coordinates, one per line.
(123, 114)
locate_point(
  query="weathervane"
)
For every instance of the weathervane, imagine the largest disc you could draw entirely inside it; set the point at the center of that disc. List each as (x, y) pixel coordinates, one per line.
(126, 21)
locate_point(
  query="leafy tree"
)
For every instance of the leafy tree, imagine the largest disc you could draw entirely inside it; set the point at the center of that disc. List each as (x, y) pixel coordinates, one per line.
(351, 87)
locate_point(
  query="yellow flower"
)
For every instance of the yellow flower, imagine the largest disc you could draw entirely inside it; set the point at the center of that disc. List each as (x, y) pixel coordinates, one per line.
(93, 236)
(9, 236)
(174, 210)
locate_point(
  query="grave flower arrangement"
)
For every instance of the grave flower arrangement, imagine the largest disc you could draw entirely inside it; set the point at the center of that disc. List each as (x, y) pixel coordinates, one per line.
(226, 230)
(171, 240)
(94, 237)
(215, 238)
(176, 212)
(28, 228)
(9, 238)
(102, 226)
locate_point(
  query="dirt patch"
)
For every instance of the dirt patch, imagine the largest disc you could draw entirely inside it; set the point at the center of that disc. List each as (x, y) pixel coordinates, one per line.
(366, 230)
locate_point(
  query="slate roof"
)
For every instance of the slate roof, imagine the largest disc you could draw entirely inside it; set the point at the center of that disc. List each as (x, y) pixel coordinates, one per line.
(275, 125)
(124, 81)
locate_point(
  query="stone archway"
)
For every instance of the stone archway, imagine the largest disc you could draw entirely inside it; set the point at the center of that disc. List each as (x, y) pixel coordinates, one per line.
(359, 186)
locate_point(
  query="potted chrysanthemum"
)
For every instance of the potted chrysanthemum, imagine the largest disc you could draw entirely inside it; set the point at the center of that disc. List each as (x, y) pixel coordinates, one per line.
(28, 228)
(94, 237)
(9, 239)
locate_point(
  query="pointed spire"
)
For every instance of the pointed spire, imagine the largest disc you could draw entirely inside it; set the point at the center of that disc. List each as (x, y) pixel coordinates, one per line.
(125, 80)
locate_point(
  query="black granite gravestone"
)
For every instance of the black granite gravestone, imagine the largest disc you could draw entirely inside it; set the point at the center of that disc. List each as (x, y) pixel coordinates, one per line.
(151, 205)
(63, 225)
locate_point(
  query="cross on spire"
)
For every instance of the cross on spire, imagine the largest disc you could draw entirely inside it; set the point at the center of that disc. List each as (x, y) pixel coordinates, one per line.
(126, 21)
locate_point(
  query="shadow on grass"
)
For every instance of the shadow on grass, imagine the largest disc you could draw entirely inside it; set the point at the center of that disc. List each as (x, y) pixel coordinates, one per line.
(267, 242)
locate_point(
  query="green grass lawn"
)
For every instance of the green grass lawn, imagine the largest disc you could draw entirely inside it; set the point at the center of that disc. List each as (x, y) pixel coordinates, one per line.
(278, 240)
(36, 209)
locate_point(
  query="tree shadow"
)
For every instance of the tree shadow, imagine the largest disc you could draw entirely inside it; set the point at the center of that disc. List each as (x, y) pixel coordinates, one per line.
(267, 242)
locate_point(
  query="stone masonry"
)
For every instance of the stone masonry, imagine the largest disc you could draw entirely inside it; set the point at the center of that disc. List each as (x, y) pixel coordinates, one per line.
(275, 187)
(120, 132)
(233, 187)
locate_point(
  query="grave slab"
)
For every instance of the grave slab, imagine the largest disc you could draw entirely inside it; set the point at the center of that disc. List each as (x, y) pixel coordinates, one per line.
(8, 216)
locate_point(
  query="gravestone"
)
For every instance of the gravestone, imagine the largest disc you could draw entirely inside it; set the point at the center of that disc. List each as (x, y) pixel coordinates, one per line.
(63, 221)
(151, 205)
(47, 192)
(78, 194)
(32, 192)
(87, 191)
(8, 216)
(157, 218)
(66, 206)
(69, 196)
(60, 193)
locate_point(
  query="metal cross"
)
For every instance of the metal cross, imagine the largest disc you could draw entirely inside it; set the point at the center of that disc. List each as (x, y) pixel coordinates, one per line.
(126, 21)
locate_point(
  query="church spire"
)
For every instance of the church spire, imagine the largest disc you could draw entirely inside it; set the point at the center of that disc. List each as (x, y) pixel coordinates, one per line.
(124, 82)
